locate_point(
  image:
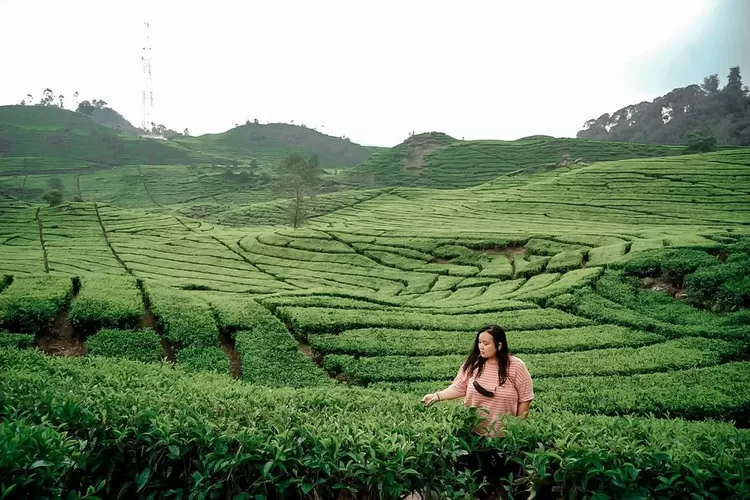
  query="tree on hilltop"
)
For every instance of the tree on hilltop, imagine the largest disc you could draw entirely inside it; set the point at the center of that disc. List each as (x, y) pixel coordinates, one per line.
(296, 177)
(48, 97)
(86, 108)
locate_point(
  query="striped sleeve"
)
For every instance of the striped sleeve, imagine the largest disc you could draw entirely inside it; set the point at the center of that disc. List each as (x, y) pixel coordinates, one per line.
(461, 382)
(523, 383)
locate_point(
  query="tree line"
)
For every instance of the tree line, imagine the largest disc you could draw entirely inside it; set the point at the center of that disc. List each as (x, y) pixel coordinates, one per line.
(702, 109)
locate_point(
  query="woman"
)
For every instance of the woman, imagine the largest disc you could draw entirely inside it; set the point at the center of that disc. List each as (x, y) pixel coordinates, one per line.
(492, 380)
(496, 383)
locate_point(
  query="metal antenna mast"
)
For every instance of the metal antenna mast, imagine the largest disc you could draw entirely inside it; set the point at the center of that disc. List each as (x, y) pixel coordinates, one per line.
(147, 93)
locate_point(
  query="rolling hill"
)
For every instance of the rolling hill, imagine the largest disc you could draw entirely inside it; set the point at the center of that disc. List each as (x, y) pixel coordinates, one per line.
(276, 140)
(45, 138)
(438, 160)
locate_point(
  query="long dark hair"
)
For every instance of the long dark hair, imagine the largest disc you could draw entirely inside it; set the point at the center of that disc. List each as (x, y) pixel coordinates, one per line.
(476, 362)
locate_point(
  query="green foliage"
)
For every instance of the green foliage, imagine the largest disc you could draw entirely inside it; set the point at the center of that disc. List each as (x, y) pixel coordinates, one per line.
(203, 359)
(671, 355)
(297, 178)
(671, 263)
(30, 304)
(717, 392)
(437, 160)
(723, 286)
(700, 140)
(390, 341)
(204, 433)
(187, 320)
(137, 345)
(40, 461)
(53, 197)
(565, 261)
(55, 183)
(241, 313)
(669, 118)
(313, 320)
(106, 302)
(604, 457)
(16, 340)
(269, 356)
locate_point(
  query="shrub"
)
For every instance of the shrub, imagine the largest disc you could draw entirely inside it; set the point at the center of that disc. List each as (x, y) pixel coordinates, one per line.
(186, 319)
(201, 434)
(724, 287)
(16, 340)
(142, 345)
(205, 435)
(38, 461)
(106, 302)
(700, 140)
(203, 359)
(30, 304)
(672, 263)
(53, 197)
(270, 356)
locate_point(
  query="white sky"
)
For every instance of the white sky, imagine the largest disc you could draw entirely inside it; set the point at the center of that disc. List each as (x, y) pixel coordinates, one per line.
(371, 70)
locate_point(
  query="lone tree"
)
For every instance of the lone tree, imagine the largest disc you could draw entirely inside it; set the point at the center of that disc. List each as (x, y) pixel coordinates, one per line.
(701, 140)
(55, 184)
(296, 177)
(86, 108)
(53, 197)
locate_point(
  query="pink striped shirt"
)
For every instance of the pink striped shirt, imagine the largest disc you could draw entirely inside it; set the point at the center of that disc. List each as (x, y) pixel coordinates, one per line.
(518, 388)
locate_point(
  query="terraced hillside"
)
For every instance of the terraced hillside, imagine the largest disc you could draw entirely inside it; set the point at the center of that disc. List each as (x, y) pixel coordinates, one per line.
(438, 160)
(376, 303)
(271, 142)
(44, 139)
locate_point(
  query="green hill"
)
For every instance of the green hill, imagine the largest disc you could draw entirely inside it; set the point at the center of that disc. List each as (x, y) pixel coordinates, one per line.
(438, 160)
(41, 138)
(108, 117)
(277, 140)
(44, 138)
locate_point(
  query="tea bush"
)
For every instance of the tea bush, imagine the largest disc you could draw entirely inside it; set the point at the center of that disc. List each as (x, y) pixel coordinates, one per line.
(315, 320)
(391, 341)
(203, 359)
(186, 319)
(16, 340)
(671, 263)
(150, 430)
(106, 302)
(115, 427)
(30, 303)
(139, 345)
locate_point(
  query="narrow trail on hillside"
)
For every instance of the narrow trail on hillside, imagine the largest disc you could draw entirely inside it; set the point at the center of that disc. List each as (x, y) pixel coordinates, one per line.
(148, 320)
(145, 187)
(228, 346)
(109, 245)
(61, 339)
(41, 240)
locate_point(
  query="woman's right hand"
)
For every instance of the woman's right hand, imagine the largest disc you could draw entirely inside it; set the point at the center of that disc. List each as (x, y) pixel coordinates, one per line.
(429, 399)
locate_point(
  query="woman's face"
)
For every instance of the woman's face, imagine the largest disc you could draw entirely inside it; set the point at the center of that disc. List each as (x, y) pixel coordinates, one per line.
(487, 347)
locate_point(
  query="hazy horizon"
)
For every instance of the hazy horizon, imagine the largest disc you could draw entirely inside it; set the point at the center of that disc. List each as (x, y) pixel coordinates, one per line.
(373, 72)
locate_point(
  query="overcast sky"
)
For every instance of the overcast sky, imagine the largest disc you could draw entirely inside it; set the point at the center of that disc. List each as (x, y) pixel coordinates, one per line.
(372, 70)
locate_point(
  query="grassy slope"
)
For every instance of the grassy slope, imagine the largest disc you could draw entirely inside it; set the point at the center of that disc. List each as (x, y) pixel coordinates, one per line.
(450, 163)
(52, 138)
(49, 138)
(274, 141)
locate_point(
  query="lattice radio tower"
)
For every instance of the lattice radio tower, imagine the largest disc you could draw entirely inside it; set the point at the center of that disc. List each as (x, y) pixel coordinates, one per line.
(147, 93)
